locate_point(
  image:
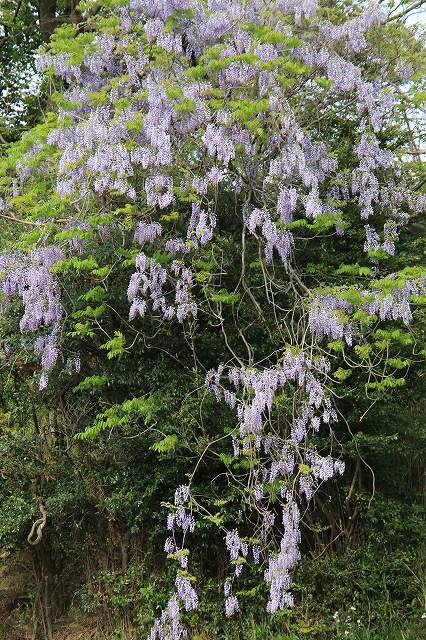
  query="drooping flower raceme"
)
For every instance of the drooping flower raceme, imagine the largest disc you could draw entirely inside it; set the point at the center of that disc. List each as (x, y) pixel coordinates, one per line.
(291, 463)
(28, 277)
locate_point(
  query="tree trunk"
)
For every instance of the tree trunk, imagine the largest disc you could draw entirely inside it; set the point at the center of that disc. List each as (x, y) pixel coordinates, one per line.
(47, 17)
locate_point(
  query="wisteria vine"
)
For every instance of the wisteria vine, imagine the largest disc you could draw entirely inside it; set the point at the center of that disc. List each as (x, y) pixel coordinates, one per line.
(217, 84)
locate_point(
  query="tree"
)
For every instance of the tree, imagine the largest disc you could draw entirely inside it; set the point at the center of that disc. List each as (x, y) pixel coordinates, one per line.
(24, 26)
(264, 179)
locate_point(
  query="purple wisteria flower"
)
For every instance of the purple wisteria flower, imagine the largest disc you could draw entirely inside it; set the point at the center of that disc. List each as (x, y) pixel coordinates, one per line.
(29, 278)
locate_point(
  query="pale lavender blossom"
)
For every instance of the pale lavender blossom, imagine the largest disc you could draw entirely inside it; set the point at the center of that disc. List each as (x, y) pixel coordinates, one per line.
(147, 232)
(231, 605)
(159, 191)
(186, 593)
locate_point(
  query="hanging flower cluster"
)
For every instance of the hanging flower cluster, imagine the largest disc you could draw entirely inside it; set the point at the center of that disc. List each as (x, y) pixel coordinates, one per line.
(330, 316)
(28, 277)
(287, 460)
(180, 521)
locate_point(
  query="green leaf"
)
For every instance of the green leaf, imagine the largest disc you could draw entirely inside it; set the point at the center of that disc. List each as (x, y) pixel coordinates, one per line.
(97, 294)
(119, 416)
(337, 346)
(398, 363)
(354, 270)
(419, 97)
(90, 312)
(91, 382)
(115, 346)
(390, 382)
(102, 272)
(165, 445)
(363, 350)
(216, 519)
(82, 329)
(342, 374)
(222, 296)
(305, 469)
